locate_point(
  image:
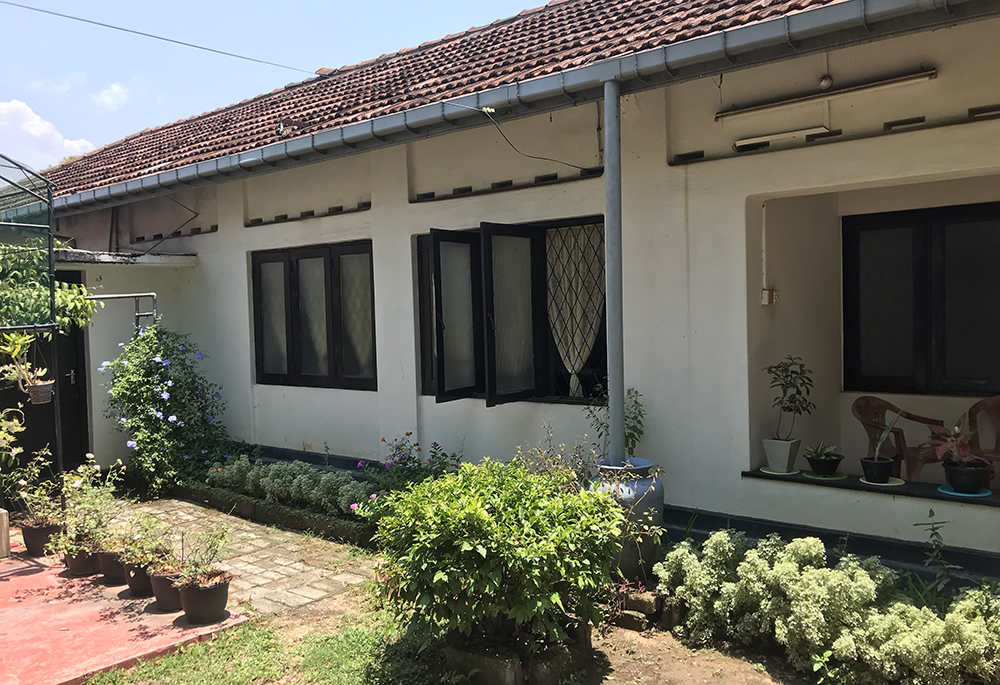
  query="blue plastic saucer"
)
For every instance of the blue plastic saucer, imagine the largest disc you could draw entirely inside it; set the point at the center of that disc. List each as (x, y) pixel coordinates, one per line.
(947, 490)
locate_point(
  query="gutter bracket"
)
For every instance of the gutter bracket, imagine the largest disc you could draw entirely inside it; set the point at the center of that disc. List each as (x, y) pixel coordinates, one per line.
(371, 127)
(638, 76)
(517, 94)
(670, 72)
(446, 119)
(344, 142)
(788, 32)
(406, 125)
(562, 87)
(725, 44)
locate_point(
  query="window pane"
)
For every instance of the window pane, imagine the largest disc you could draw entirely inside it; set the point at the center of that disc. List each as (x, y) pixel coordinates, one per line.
(971, 295)
(886, 302)
(356, 315)
(312, 317)
(457, 315)
(515, 364)
(272, 308)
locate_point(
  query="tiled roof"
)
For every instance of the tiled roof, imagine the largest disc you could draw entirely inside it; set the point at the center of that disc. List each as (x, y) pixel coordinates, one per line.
(561, 35)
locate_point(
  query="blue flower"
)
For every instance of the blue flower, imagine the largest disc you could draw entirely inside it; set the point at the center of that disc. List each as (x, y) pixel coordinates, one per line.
(151, 412)
(130, 443)
(170, 384)
(159, 414)
(165, 395)
(185, 456)
(212, 420)
(226, 456)
(181, 348)
(171, 418)
(121, 344)
(157, 359)
(180, 444)
(218, 396)
(198, 355)
(166, 362)
(207, 462)
(105, 363)
(180, 423)
(204, 451)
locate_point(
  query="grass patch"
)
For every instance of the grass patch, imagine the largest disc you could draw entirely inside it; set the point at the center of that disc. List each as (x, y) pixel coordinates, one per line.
(247, 654)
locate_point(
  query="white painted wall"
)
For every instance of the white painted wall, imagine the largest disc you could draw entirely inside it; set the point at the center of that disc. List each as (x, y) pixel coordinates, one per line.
(696, 335)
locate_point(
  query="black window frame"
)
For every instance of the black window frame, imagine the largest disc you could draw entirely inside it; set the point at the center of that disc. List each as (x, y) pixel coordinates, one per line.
(429, 303)
(928, 227)
(289, 257)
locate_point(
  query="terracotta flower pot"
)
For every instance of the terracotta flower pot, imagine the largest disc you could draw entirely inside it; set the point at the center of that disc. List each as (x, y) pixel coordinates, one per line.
(205, 604)
(36, 537)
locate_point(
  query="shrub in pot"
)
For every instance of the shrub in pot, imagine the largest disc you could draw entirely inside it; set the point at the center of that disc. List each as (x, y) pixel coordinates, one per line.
(163, 573)
(203, 586)
(966, 473)
(91, 505)
(823, 459)
(147, 540)
(498, 553)
(878, 469)
(794, 382)
(38, 494)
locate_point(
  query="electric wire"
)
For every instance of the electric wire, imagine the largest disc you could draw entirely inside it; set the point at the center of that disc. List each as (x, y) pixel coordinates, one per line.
(150, 35)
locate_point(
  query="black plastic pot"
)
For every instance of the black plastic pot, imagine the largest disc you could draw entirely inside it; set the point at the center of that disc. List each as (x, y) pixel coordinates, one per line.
(168, 597)
(205, 604)
(36, 537)
(112, 568)
(138, 581)
(968, 479)
(82, 564)
(825, 467)
(876, 470)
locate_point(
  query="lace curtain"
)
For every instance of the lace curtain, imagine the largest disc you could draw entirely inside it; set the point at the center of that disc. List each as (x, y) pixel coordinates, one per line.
(575, 257)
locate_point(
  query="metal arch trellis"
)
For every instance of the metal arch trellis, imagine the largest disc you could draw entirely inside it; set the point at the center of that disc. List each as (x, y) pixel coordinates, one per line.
(32, 190)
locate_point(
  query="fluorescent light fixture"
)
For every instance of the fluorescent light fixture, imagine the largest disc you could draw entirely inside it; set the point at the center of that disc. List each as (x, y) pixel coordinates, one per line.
(747, 144)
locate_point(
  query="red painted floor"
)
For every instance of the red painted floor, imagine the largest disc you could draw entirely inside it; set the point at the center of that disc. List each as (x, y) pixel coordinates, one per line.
(57, 630)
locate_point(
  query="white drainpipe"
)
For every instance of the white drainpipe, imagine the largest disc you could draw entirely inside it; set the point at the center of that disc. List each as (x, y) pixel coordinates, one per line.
(613, 270)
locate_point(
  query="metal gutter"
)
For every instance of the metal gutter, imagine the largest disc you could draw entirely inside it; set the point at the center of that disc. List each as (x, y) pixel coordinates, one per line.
(815, 30)
(173, 261)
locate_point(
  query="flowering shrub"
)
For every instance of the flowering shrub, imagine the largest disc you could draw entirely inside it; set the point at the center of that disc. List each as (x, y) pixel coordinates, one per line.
(850, 621)
(170, 411)
(496, 550)
(91, 506)
(37, 491)
(406, 462)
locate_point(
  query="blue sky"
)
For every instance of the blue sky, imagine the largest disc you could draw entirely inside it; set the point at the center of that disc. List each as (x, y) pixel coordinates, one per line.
(68, 87)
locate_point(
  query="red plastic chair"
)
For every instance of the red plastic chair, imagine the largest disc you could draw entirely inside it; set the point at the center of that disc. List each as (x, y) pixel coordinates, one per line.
(871, 411)
(991, 408)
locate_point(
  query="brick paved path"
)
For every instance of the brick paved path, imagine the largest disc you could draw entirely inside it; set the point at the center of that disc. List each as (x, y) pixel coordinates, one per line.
(275, 570)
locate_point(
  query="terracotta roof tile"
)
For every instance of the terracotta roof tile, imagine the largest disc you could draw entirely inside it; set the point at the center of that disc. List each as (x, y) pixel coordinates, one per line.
(560, 35)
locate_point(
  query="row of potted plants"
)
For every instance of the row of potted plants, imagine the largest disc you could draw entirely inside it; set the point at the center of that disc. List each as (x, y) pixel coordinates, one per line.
(966, 473)
(93, 535)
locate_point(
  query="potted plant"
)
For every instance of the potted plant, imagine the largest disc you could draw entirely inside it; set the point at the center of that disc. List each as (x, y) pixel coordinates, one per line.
(966, 473)
(823, 459)
(90, 506)
(29, 378)
(40, 498)
(147, 541)
(794, 381)
(204, 587)
(109, 560)
(878, 469)
(163, 573)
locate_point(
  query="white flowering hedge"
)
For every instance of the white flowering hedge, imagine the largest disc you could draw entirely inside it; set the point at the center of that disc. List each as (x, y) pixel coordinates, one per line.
(850, 622)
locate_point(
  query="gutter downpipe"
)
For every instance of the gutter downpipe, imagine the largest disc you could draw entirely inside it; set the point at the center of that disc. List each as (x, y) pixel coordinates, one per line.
(613, 271)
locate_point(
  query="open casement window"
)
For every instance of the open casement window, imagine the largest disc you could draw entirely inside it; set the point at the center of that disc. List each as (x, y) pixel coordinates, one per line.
(458, 303)
(514, 310)
(314, 321)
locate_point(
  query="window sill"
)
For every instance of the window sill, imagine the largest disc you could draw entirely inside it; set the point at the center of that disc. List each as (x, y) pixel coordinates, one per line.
(907, 489)
(575, 401)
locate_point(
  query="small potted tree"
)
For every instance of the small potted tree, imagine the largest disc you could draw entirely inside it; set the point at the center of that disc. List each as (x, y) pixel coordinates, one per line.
(794, 382)
(967, 474)
(823, 459)
(204, 587)
(39, 495)
(163, 573)
(147, 540)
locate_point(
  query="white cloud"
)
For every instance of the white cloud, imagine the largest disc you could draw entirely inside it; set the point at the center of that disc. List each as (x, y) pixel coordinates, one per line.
(60, 86)
(112, 97)
(28, 138)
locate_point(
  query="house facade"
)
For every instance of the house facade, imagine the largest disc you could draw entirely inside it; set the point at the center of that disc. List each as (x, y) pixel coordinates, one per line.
(832, 202)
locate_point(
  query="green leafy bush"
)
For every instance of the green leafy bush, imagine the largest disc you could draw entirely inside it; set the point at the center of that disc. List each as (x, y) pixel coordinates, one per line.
(293, 483)
(90, 508)
(406, 462)
(171, 412)
(778, 594)
(496, 550)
